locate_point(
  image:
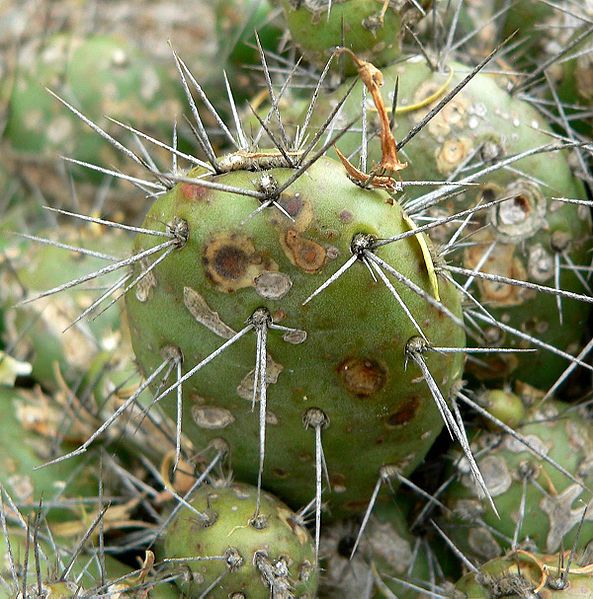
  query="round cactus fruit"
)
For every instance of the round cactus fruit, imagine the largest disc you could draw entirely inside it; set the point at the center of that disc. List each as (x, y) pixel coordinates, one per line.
(334, 356)
(485, 136)
(539, 479)
(528, 575)
(371, 29)
(223, 551)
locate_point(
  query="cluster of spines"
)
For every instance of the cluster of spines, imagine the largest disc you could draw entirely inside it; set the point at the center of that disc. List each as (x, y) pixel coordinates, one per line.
(176, 239)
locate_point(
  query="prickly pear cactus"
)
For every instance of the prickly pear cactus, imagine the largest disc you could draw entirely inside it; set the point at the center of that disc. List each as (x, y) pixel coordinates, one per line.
(47, 332)
(99, 75)
(226, 551)
(340, 366)
(540, 481)
(34, 566)
(487, 137)
(288, 321)
(373, 30)
(525, 575)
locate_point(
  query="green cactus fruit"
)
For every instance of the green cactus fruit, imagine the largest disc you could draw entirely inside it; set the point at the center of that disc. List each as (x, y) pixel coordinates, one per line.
(232, 554)
(533, 237)
(38, 330)
(387, 552)
(525, 575)
(505, 406)
(371, 29)
(31, 420)
(515, 476)
(340, 365)
(100, 76)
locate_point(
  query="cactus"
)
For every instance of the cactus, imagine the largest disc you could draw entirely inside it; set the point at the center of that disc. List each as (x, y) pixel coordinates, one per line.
(122, 85)
(24, 553)
(270, 274)
(527, 575)
(229, 552)
(59, 345)
(32, 421)
(546, 470)
(331, 367)
(485, 135)
(370, 29)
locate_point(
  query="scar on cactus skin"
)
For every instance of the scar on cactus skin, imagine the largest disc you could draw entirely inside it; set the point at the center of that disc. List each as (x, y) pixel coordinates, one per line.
(415, 350)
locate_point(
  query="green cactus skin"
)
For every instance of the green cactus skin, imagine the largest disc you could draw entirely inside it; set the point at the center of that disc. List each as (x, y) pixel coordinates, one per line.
(531, 232)
(387, 545)
(236, 22)
(39, 326)
(553, 503)
(521, 574)
(504, 405)
(351, 366)
(246, 554)
(356, 24)
(573, 82)
(100, 76)
(30, 420)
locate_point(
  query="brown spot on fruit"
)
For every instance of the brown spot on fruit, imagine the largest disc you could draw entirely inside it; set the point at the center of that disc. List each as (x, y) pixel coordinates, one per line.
(292, 203)
(338, 479)
(232, 262)
(280, 472)
(211, 417)
(522, 215)
(362, 376)
(346, 216)
(304, 253)
(193, 193)
(452, 153)
(403, 414)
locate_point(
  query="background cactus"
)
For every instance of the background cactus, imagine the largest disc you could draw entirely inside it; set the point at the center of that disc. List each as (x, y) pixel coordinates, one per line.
(321, 246)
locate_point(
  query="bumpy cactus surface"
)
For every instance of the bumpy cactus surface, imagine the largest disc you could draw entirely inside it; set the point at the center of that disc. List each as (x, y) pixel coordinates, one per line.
(372, 29)
(304, 300)
(535, 236)
(554, 494)
(229, 553)
(341, 363)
